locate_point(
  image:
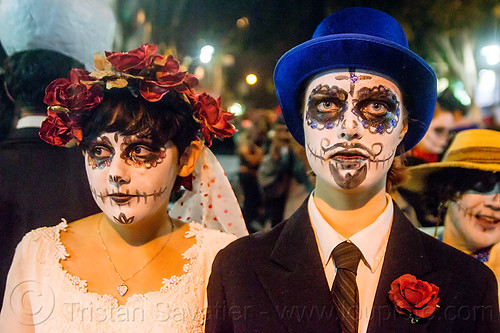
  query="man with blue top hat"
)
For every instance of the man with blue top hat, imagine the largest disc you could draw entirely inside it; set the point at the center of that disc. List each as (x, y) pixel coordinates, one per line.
(348, 260)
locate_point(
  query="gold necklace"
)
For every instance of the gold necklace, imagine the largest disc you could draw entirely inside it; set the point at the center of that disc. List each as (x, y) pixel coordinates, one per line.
(123, 288)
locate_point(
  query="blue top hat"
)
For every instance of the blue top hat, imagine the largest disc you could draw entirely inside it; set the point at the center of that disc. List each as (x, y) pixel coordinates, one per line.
(358, 38)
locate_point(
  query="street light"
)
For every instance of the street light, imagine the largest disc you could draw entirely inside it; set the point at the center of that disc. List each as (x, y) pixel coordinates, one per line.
(237, 109)
(251, 79)
(492, 54)
(206, 53)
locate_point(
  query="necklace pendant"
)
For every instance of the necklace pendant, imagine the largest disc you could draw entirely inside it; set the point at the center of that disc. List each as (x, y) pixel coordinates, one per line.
(122, 289)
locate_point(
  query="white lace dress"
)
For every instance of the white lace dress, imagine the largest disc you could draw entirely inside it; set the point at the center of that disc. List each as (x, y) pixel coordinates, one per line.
(42, 297)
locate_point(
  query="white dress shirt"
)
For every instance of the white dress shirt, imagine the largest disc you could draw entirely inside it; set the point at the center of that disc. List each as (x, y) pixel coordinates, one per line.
(371, 241)
(30, 121)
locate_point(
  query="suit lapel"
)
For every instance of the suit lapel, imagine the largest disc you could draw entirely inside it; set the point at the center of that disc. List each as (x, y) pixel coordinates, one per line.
(294, 279)
(405, 254)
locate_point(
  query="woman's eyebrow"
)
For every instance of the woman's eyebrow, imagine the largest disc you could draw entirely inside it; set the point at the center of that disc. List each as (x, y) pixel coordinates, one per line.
(104, 139)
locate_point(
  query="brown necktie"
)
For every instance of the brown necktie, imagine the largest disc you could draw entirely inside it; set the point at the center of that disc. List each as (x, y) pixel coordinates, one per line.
(344, 290)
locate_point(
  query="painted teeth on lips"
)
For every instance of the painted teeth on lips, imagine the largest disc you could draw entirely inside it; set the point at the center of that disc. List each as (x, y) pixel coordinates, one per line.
(349, 156)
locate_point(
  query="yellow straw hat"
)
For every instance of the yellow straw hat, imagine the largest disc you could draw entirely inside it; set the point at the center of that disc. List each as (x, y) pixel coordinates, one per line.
(477, 149)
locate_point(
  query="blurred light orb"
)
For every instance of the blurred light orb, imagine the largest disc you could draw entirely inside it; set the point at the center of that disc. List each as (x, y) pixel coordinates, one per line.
(492, 54)
(486, 88)
(247, 124)
(251, 79)
(442, 84)
(460, 93)
(206, 53)
(488, 78)
(236, 108)
(242, 22)
(228, 60)
(141, 16)
(199, 72)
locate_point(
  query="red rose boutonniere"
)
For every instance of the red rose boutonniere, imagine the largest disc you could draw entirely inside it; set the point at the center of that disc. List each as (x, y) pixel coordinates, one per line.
(415, 298)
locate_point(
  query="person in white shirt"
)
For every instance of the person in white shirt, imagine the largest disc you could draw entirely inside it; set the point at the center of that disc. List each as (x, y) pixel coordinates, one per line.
(348, 260)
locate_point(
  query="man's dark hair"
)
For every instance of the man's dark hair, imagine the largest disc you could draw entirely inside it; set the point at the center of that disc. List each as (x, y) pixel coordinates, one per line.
(449, 102)
(27, 73)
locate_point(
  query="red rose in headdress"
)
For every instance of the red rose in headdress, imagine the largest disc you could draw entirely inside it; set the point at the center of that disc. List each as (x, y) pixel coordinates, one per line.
(214, 120)
(59, 129)
(167, 78)
(72, 93)
(139, 58)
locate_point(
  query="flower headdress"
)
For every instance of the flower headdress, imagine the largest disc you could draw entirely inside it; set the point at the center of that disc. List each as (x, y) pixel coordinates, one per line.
(145, 73)
(210, 199)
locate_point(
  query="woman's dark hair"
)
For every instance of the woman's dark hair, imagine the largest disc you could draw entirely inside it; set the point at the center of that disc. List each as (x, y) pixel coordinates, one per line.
(450, 184)
(27, 73)
(170, 119)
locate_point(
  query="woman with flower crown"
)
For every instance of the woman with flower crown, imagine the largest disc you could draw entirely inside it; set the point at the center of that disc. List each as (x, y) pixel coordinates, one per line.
(136, 266)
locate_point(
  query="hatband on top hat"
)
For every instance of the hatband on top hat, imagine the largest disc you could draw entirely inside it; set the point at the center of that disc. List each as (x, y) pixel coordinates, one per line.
(358, 39)
(477, 149)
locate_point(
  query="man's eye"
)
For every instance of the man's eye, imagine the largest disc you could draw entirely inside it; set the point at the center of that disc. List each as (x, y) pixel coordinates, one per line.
(376, 108)
(327, 106)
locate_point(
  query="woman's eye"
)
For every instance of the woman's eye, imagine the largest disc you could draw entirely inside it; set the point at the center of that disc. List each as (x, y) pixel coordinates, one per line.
(141, 152)
(100, 152)
(327, 106)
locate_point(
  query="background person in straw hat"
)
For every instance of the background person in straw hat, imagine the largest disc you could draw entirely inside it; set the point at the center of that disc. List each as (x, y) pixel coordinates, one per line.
(348, 260)
(463, 192)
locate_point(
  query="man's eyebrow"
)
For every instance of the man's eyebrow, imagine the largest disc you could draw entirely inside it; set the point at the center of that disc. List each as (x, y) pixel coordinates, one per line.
(333, 91)
(379, 92)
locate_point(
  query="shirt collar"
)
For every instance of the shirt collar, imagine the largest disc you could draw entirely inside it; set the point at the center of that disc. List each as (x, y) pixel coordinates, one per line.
(370, 241)
(30, 121)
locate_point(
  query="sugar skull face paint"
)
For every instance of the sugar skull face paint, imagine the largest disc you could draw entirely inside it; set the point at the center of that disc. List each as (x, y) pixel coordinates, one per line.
(352, 125)
(476, 216)
(130, 177)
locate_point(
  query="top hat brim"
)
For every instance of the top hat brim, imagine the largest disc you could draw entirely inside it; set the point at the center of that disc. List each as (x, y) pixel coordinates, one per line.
(410, 72)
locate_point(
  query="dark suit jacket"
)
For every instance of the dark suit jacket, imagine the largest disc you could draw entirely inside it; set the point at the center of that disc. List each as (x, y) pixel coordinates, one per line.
(275, 282)
(39, 185)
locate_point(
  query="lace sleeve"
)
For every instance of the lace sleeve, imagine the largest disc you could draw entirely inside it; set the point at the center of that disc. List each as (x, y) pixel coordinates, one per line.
(16, 310)
(29, 298)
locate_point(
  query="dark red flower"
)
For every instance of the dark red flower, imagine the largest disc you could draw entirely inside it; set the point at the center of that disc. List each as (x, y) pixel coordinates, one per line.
(72, 94)
(59, 129)
(414, 297)
(214, 120)
(166, 78)
(139, 58)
